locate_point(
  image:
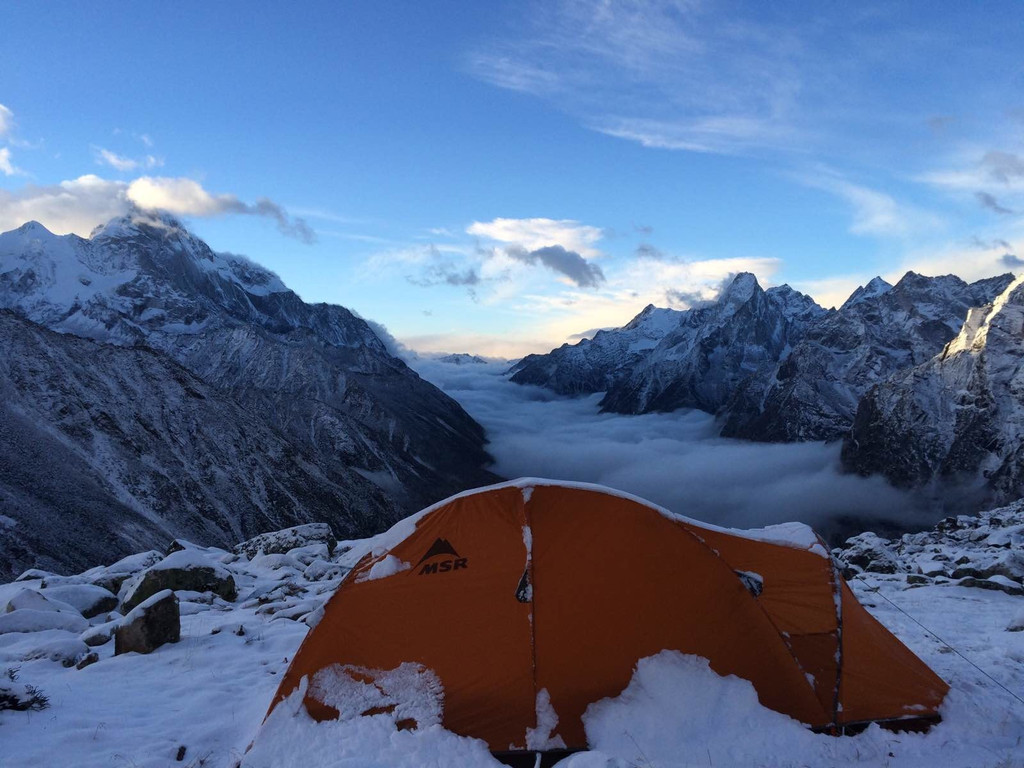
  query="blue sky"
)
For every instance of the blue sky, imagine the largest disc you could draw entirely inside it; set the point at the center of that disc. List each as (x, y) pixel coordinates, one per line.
(496, 177)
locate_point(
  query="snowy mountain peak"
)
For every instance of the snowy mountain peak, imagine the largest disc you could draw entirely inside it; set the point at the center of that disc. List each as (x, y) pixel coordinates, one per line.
(875, 288)
(137, 223)
(33, 228)
(740, 290)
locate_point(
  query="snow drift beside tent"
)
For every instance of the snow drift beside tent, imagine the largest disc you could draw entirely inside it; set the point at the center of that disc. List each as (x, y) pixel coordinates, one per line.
(531, 600)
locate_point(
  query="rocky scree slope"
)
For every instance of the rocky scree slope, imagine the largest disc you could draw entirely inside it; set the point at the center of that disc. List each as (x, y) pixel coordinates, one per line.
(318, 374)
(981, 551)
(958, 417)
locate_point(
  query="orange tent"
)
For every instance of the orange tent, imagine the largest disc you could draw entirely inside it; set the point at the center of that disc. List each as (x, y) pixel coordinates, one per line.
(536, 587)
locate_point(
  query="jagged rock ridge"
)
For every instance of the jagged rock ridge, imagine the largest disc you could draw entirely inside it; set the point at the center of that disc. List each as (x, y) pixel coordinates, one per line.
(812, 392)
(714, 348)
(594, 364)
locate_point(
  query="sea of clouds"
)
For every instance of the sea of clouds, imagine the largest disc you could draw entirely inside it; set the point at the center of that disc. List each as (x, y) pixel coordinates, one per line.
(676, 460)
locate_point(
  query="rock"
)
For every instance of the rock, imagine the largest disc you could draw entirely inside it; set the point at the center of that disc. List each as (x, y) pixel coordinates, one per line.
(85, 661)
(34, 573)
(32, 600)
(955, 418)
(98, 635)
(182, 570)
(152, 623)
(88, 599)
(917, 578)
(281, 542)
(869, 552)
(61, 647)
(29, 620)
(930, 566)
(111, 577)
(321, 570)
(1008, 564)
(812, 391)
(1000, 583)
(1016, 623)
(179, 545)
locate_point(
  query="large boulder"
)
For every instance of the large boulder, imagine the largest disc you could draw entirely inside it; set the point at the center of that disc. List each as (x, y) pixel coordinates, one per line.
(186, 570)
(113, 576)
(31, 620)
(280, 542)
(149, 625)
(30, 599)
(88, 599)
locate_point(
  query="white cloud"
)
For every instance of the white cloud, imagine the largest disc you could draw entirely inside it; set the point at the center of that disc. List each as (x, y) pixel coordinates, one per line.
(675, 460)
(125, 164)
(6, 121)
(724, 134)
(180, 196)
(79, 205)
(535, 318)
(875, 213)
(7, 168)
(532, 234)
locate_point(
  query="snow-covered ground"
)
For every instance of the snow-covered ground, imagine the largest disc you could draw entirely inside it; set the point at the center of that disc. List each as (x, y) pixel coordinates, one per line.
(205, 696)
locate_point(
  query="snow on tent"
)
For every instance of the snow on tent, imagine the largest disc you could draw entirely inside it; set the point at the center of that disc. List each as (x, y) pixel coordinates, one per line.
(525, 602)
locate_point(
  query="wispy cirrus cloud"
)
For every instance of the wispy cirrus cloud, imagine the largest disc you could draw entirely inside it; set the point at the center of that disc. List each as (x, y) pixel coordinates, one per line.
(6, 121)
(666, 73)
(123, 163)
(874, 213)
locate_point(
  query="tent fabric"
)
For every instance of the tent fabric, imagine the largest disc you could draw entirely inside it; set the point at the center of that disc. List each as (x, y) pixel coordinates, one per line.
(539, 586)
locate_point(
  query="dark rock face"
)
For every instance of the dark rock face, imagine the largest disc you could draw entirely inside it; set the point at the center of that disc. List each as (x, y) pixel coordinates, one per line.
(153, 623)
(351, 427)
(714, 349)
(957, 417)
(812, 393)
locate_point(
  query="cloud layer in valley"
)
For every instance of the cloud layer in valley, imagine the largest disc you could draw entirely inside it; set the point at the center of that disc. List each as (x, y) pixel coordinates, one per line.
(674, 460)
